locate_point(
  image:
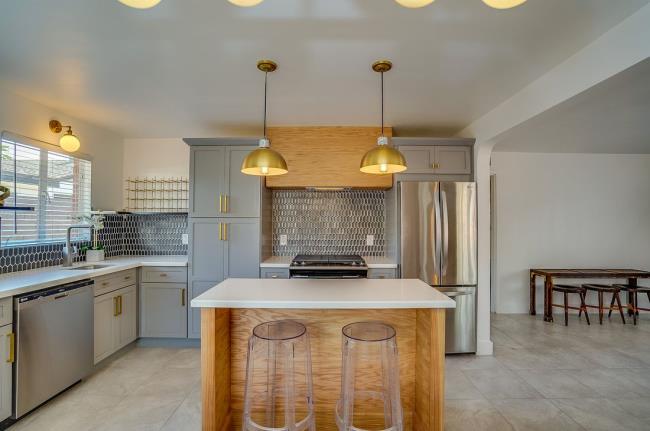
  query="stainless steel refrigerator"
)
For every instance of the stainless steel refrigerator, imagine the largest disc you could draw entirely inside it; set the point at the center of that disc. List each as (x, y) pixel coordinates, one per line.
(437, 230)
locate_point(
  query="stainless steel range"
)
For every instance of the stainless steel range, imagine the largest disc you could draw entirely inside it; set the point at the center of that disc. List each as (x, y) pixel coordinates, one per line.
(328, 266)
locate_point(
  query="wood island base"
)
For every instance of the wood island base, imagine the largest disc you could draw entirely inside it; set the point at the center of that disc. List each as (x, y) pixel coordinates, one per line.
(421, 344)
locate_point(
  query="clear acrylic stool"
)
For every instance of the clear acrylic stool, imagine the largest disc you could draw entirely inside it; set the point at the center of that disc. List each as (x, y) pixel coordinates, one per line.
(278, 379)
(369, 379)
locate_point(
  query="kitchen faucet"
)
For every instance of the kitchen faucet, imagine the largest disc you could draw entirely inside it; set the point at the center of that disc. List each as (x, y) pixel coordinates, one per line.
(70, 252)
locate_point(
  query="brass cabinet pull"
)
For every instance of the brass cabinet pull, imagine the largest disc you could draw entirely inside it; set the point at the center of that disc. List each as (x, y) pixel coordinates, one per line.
(225, 231)
(225, 203)
(183, 297)
(436, 165)
(220, 232)
(163, 274)
(12, 348)
(115, 312)
(220, 203)
(119, 301)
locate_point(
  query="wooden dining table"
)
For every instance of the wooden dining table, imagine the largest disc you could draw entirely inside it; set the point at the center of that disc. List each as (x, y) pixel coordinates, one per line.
(632, 275)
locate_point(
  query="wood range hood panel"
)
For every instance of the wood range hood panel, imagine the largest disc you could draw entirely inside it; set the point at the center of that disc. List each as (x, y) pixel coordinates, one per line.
(326, 156)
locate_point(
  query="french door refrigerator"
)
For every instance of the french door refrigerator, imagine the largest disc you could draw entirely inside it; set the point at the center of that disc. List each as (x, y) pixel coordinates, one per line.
(437, 230)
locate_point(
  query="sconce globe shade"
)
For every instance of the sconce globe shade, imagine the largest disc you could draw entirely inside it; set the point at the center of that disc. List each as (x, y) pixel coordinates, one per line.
(245, 3)
(69, 142)
(140, 4)
(503, 4)
(413, 4)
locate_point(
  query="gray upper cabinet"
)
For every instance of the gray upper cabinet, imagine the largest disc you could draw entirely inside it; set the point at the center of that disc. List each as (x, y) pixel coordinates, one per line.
(242, 197)
(452, 160)
(218, 188)
(439, 159)
(207, 179)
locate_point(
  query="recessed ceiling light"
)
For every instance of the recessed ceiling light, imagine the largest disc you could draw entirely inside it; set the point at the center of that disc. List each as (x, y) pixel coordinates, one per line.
(503, 4)
(140, 4)
(414, 3)
(245, 3)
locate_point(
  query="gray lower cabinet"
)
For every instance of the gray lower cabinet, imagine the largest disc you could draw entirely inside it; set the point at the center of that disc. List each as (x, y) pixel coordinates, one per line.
(382, 273)
(163, 310)
(220, 248)
(274, 272)
(7, 356)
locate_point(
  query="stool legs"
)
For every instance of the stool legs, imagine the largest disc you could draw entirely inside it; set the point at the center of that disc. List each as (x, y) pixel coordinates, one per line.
(566, 309)
(583, 307)
(600, 307)
(616, 297)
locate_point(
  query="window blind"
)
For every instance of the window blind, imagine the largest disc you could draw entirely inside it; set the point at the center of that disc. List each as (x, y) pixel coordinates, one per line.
(57, 185)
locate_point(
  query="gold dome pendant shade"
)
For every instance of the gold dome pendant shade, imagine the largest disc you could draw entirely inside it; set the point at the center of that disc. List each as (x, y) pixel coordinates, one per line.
(264, 161)
(383, 159)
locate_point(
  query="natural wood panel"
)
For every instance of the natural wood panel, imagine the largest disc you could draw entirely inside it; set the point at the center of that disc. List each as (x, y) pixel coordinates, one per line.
(430, 370)
(215, 369)
(324, 327)
(326, 157)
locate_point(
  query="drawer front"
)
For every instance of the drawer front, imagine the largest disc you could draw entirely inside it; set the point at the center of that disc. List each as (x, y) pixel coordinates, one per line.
(164, 274)
(274, 273)
(117, 280)
(381, 273)
(6, 311)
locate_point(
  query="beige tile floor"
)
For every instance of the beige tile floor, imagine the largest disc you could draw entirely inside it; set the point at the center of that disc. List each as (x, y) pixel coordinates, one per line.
(542, 377)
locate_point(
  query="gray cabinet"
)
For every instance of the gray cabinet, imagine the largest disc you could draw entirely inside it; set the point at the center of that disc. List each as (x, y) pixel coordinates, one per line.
(217, 186)
(220, 248)
(274, 272)
(207, 166)
(163, 310)
(439, 159)
(7, 357)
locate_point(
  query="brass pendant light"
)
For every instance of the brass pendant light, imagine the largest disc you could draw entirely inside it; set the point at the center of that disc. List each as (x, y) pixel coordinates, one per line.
(383, 159)
(265, 161)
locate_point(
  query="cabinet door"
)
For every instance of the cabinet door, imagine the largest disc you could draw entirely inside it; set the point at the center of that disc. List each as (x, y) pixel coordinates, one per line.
(194, 314)
(206, 250)
(243, 196)
(419, 159)
(453, 160)
(242, 248)
(6, 364)
(207, 177)
(163, 310)
(126, 328)
(105, 314)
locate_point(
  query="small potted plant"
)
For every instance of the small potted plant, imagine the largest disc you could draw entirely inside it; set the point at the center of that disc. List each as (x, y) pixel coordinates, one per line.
(94, 253)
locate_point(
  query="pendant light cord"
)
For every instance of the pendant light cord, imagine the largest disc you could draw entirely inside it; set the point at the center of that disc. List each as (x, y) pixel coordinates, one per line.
(266, 74)
(382, 103)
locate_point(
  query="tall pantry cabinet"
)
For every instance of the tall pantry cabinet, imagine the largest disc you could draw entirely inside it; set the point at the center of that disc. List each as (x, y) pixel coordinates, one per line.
(224, 218)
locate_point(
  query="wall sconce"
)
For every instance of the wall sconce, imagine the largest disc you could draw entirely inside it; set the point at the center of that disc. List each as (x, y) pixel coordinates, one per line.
(68, 141)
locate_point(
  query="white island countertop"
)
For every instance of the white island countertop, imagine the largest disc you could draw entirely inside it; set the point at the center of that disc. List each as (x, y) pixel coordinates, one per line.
(322, 294)
(16, 283)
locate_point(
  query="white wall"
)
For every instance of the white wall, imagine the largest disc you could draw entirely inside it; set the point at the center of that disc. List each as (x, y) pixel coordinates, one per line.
(26, 117)
(165, 157)
(567, 210)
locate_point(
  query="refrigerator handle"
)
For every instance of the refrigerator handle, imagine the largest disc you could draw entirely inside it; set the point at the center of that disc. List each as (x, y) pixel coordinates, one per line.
(445, 231)
(438, 240)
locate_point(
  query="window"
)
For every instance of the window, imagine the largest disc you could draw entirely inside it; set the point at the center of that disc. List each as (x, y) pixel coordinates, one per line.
(57, 185)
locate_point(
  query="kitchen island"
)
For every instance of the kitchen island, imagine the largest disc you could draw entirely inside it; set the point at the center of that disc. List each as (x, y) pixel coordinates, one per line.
(234, 307)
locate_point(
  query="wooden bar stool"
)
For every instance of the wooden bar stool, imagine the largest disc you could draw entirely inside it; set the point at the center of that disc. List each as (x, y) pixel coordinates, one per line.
(601, 289)
(565, 289)
(633, 291)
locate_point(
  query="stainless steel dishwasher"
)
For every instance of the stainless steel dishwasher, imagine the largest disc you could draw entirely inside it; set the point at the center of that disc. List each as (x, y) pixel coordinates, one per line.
(54, 342)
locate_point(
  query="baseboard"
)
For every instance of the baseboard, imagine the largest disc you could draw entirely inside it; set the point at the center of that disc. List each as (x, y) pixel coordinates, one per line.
(168, 342)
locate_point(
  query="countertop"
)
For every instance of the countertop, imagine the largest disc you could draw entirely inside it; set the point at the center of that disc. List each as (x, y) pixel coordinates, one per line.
(16, 283)
(373, 262)
(322, 294)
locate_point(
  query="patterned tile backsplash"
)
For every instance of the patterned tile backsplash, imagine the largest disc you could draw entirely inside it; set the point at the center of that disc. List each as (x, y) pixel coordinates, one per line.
(123, 234)
(328, 222)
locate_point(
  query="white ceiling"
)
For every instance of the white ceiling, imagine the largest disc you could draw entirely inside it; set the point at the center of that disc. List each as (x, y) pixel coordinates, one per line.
(187, 67)
(612, 117)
